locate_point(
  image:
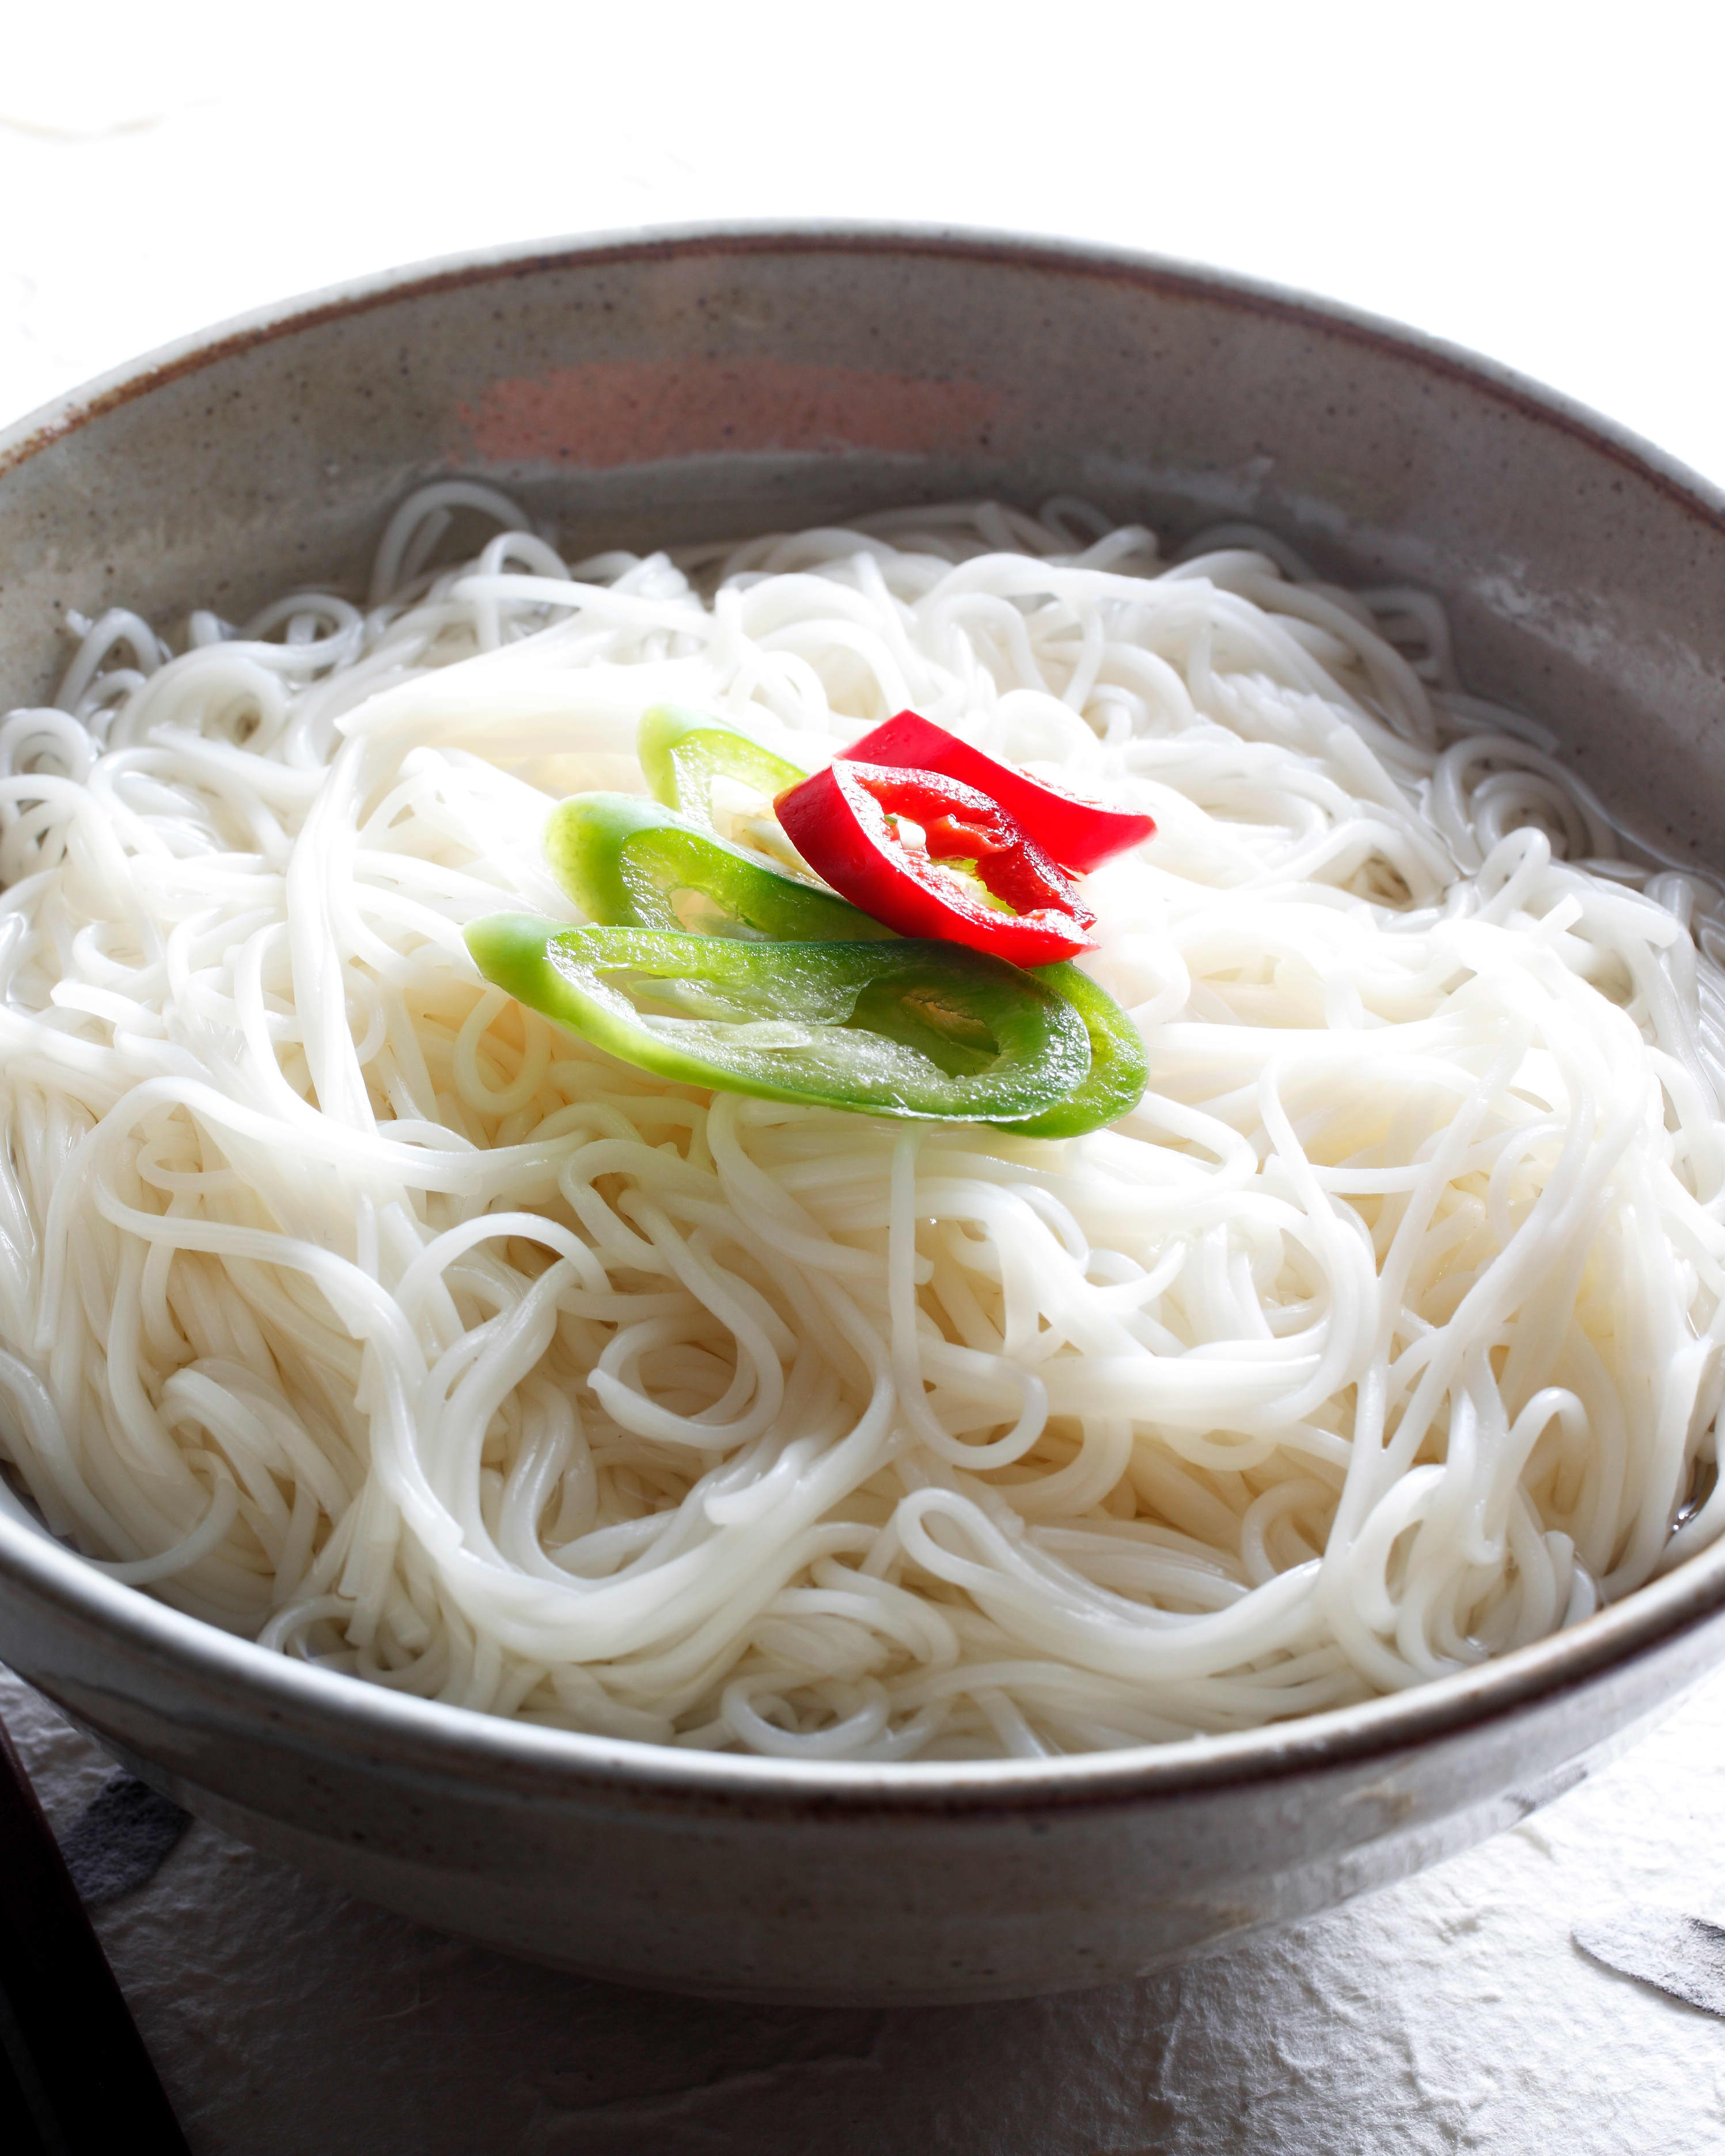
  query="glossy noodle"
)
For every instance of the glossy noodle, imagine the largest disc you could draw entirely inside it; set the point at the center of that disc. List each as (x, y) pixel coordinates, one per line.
(347, 1305)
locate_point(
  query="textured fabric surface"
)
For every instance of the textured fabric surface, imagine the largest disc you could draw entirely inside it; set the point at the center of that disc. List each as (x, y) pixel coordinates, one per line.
(118, 1841)
(1681, 1954)
(1453, 2013)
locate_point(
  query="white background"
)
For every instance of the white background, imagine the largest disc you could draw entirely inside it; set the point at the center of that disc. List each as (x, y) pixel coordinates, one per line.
(1542, 183)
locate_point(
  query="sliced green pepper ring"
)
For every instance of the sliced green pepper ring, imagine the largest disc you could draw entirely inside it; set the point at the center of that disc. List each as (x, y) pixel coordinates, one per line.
(682, 752)
(625, 861)
(1119, 1066)
(892, 1027)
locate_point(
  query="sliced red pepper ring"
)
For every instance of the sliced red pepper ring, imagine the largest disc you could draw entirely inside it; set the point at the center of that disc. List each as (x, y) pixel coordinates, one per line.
(840, 821)
(1079, 834)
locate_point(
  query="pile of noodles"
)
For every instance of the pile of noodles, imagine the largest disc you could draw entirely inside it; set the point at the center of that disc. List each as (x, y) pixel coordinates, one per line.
(346, 1305)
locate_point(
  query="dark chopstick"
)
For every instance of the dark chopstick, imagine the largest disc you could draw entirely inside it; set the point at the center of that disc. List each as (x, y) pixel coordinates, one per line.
(74, 2077)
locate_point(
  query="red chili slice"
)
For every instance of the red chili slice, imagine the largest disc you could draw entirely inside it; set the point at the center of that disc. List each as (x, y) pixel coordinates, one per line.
(840, 822)
(1079, 834)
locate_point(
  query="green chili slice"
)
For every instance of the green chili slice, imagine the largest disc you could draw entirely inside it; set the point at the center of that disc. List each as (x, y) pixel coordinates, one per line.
(682, 752)
(870, 1027)
(631, 864)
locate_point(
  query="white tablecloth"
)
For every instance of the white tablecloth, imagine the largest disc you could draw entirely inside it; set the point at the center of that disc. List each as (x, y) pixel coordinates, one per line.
(1539, 183)
(1450, 2013)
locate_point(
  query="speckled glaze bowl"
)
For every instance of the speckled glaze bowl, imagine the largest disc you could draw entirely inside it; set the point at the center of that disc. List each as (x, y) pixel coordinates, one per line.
(690, 384)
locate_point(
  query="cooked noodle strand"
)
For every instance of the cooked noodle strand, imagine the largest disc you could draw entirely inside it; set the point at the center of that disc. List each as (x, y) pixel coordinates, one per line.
(349, 1306)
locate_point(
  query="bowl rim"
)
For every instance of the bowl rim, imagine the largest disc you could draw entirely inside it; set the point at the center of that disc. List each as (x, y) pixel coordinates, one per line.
(22, 438)
(333, 1713)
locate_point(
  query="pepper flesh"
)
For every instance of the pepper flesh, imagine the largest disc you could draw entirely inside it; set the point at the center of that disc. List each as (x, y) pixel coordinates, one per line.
(839, 821)
(681, 752)
(794, 1021)
(625, 862)
(1079, 834)
(1119, 1067)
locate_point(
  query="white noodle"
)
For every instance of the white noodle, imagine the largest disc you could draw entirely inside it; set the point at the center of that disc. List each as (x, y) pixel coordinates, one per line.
(348, 1305)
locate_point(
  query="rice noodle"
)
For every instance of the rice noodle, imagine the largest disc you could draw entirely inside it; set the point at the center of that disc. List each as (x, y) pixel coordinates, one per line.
(348, 1305)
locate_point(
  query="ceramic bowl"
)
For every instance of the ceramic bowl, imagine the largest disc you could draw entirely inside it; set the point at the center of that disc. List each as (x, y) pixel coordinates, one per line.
(693, 384)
